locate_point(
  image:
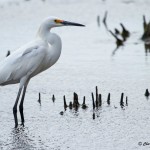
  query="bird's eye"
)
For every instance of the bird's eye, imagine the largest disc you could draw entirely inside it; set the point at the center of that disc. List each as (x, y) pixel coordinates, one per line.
(57, 21)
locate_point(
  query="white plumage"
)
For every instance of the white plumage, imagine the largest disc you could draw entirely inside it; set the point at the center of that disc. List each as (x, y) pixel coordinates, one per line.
(31, 59)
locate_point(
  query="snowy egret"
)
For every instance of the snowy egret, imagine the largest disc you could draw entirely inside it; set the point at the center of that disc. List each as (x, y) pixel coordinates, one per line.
(31, 59)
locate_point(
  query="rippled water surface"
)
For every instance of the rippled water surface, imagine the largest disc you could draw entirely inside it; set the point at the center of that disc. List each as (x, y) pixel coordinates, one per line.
(88, 59)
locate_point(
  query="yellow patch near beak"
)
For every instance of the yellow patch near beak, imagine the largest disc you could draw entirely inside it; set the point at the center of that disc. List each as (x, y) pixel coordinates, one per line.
(58, 21)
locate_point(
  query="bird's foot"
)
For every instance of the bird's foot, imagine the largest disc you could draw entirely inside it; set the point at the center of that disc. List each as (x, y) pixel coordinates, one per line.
(16, 125)
(22, 124)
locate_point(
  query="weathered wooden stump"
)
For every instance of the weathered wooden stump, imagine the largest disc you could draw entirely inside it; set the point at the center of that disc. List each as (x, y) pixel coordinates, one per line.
(126, 101)
(147, 93)
(65, 104)
(121, 100)
(93, 101)
(39, 100)
(53, 98)
(100, 100)
(108, 99)
(84, 105)
(96, 102)
(119, 42)
(125, 33)
(70, 105)
(75, 101)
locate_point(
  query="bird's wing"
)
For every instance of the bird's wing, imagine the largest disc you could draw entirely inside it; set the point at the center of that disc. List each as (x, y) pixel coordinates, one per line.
(21, 63)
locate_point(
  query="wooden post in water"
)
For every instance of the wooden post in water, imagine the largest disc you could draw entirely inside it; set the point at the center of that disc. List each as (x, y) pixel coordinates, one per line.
(96, 96)
(53, 98)
(100, 100)
(146, 33)
(70, 105)
(65, 104)
(125, 33)
(144, 23)
(93, 101)
(108, 99)
(117, 31)
(84, 105)
(121, 100)
(75, 101)
(61, 113)
(126, 101)
(147, 93)
(39, 100)
(119, 42)
(83, 101)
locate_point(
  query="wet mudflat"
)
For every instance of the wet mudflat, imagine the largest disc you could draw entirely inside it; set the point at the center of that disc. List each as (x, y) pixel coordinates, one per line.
(88, 59)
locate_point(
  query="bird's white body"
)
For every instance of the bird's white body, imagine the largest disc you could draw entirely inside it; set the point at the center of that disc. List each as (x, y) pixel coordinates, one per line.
(30, 59)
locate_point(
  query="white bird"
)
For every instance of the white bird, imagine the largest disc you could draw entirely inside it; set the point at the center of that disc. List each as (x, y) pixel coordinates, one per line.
(31, 59)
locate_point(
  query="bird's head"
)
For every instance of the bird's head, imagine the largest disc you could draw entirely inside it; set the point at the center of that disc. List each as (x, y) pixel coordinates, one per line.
(51, 22)
(56, 22)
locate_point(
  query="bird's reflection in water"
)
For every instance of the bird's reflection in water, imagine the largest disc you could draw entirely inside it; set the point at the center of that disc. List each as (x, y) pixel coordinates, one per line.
(21, 140)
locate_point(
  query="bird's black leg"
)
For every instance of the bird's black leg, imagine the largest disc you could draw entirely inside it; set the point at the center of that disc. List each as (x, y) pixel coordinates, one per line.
(21, 106)
(15, 108)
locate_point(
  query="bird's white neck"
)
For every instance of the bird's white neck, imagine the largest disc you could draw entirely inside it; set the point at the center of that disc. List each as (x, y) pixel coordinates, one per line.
(53, 40)
(45, 34)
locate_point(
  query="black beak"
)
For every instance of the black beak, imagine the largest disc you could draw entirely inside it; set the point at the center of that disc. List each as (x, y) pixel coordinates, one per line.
(67, 23)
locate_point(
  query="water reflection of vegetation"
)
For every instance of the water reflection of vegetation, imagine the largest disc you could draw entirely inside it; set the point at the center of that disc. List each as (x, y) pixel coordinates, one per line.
(147, 48)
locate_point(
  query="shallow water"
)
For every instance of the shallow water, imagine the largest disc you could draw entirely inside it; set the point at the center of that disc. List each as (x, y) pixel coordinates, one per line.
(86, 61)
